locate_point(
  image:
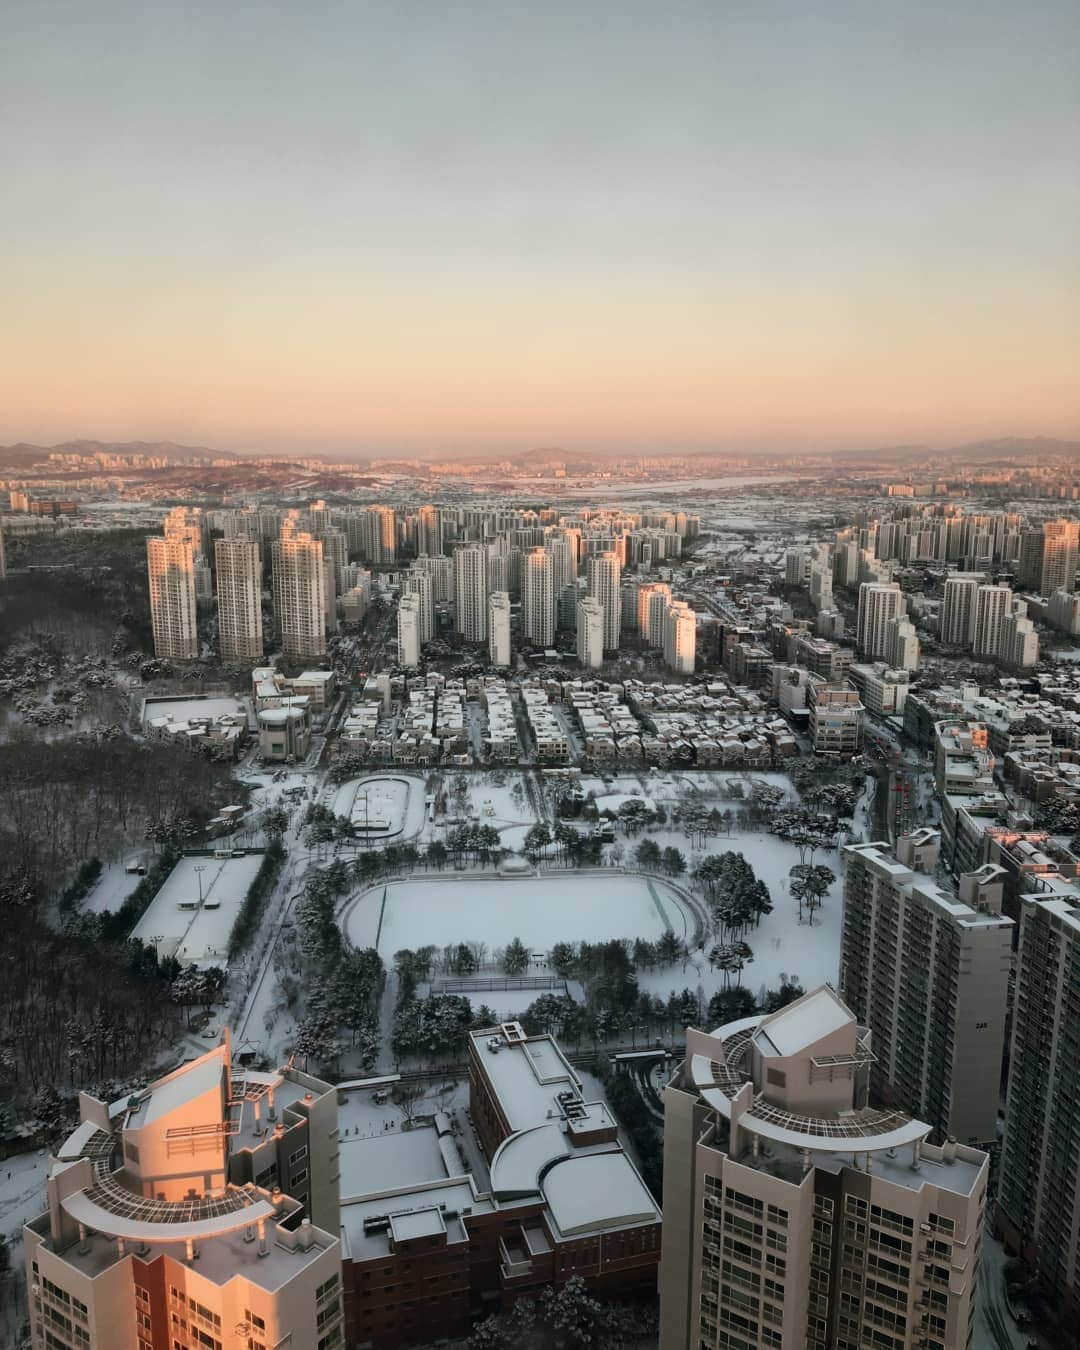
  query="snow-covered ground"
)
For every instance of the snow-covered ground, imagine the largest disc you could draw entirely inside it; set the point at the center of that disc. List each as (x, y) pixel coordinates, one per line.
(388, 806)
(569, 906)
(201, 935)
(113, 886)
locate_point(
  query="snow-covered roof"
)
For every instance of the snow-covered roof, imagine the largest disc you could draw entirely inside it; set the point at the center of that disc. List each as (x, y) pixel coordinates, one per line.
(803, 1023)
(594, 1191)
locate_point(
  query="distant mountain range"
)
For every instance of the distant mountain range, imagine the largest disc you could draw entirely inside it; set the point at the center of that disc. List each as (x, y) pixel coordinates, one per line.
(1013, 448)
(169, 450)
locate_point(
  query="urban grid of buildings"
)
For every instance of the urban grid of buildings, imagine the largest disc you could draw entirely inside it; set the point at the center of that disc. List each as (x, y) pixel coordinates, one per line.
(831, 1168)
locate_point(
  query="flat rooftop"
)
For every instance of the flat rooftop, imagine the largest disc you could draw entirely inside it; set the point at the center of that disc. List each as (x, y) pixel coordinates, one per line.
(390, 1162)
(527, 1078)
(410, 1212)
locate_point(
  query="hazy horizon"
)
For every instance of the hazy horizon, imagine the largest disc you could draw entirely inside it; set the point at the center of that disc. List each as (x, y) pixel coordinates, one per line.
(386, 230)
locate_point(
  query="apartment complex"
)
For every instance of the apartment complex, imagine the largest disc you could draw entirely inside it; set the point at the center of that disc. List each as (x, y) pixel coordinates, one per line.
(1038, 1201)
(879, 604)
(171, 566)
(798, 1213)
(239, 599)
(198, 1214)
(928, 973)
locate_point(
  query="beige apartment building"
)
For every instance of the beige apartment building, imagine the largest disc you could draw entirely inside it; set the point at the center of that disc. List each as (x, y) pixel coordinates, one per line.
(798, 1215)
(928, 973)
(239, 598)
(170, 565)
(300, 591)
(159, 1237)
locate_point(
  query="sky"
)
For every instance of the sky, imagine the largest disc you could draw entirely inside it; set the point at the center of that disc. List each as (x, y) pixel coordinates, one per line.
(430, 227)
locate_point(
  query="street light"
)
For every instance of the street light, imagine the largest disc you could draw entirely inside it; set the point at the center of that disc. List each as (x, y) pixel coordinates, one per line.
(200, 868)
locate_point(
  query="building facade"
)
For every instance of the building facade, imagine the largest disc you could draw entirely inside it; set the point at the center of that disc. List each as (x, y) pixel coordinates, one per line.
(239, 598)
(928, 973)
(799, 1213)
(171, 567)
(299, 589)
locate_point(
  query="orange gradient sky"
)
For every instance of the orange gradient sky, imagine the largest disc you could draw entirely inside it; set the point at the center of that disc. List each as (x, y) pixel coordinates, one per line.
(403, 228)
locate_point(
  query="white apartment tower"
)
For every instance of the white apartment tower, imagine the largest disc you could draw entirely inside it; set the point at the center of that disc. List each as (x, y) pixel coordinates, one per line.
(879, 603)
(958, 608)
(299, 587)
(239, 598)
(408, 630)
(590, 633)
(605, 574)
(928, 973)
(171, 566)
(156, 1234)
(992, 606)
(652, 602)
(538, 601)
(419, 583)
(902, 651)
(798, 1213)
(471, 591)
(680, 638)
(499, 628)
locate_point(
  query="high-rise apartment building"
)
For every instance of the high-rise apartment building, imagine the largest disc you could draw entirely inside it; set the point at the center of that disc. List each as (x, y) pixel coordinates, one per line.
(239, 598)
(419, 583)
(3, 562)
(590, 633)
(605, 574)
(796, 567)
(499, 628)
(957, 626)
(538, 601)
(879, 604)
(191, 523)
(902, 644)
(409, 623)
(1049, 555)
(652, 602)
(797, 1212)
(1038, 1200)
(992, 605)
(471, 591)
(178, 1218)
(928, 973)
(1019, 640)
(429, 532)
(171, 567)
(680, 638)
(299, 589)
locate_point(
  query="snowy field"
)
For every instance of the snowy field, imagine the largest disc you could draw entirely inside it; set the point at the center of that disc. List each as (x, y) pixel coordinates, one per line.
(781, 944)
(570, 907)
(198, 936)
(665, 788)
(389, 806)
(114, 885)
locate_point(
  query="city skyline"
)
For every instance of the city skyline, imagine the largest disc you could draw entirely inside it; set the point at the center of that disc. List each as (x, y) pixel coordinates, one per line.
(398, 231)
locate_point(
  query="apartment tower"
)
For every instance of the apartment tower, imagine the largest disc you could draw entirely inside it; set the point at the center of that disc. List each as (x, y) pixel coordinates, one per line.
(299, 587)
(155, 1235)
(590, 633)
(1038, 1200)
(605, 574)
(538, 601)
(409, 623)
(992, 605)
(171, 566)
(958, 608)
(499, 628)
(799, 1213)
(680, 638)
(471, 591)
(239, 598)
(879, 603)
(928, 973)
